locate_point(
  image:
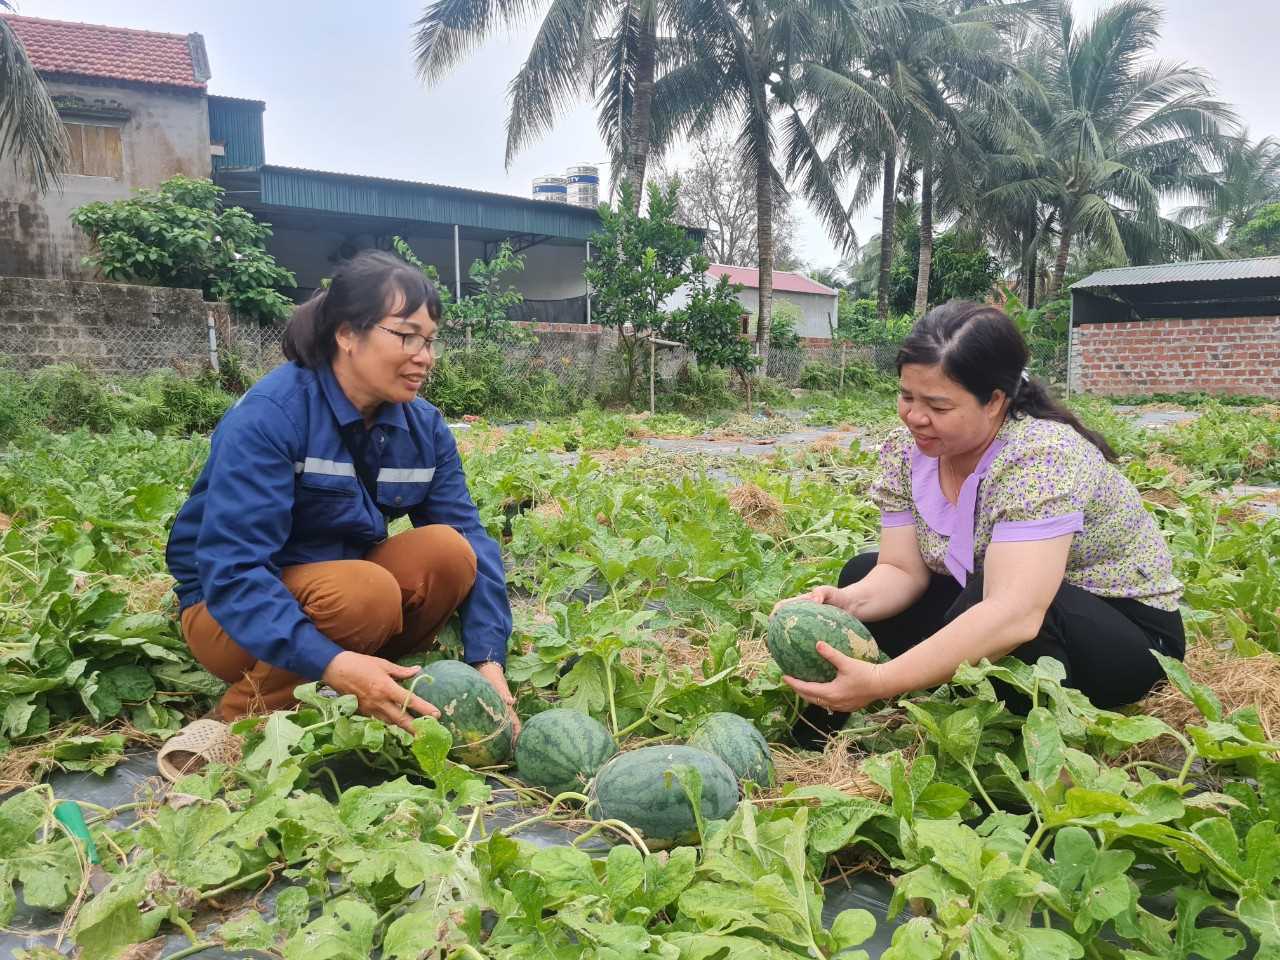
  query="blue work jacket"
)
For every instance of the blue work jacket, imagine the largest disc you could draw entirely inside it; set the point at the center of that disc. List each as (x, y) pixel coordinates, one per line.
(280, 488)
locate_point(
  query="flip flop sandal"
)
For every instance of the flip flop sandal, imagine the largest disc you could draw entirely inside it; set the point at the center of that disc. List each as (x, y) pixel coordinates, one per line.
(197, 745)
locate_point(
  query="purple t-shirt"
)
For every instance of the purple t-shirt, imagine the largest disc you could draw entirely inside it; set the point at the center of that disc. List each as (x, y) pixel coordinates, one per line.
(1038, 480)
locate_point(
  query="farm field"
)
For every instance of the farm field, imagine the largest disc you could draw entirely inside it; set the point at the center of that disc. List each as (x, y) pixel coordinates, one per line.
(644, 554)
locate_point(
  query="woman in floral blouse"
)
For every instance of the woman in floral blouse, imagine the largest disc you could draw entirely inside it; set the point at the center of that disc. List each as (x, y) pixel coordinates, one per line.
(1005, 529)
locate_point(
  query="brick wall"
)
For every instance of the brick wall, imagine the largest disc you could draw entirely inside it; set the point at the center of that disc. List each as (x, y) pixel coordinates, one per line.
(1235, 355)
(111, 327)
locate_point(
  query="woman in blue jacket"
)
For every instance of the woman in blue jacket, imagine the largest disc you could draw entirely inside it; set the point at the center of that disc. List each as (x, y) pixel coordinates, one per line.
(285, 571)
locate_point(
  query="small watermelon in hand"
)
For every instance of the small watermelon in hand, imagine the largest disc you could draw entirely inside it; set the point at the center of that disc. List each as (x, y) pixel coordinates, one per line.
(738, 743)
(470, 709)
(561, 750)
(796, 628)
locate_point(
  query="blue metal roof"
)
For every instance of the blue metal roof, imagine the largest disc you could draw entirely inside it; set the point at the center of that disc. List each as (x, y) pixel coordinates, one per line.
(343, 193)
(1198, 271)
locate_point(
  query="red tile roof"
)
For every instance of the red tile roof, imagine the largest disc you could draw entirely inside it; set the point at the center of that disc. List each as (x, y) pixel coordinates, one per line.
(783, 280)
(109, 53)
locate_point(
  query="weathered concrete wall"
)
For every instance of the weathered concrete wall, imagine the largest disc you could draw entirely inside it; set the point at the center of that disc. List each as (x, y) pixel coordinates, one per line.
(166, 133)
(110, 327)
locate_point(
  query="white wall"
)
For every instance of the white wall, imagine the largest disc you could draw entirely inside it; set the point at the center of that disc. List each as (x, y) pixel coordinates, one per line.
(814, 308)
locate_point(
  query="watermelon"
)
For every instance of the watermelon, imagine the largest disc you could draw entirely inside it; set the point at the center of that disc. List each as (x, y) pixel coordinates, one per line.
(470, 709)
(639, 788)
(796, 628)
(739, 744)
(561, 750)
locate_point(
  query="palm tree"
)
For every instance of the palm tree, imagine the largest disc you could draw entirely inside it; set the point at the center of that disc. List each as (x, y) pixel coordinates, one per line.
(609, 49)
(1247, 180)
(1122, 133)
(31, 131)
(738, 70)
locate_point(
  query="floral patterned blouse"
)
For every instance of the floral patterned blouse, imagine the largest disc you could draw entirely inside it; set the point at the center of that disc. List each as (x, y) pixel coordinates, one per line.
(1038, 480)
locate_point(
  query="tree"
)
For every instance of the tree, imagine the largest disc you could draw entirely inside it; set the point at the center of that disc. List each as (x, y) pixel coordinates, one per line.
(1123, 132)
(708, 324)
(1246, 181)
(31, 132)
(717, 194)
(610, 51)
(639, 261)
(181, 235)
(737, 67)
(1260, 237)
(962, 270)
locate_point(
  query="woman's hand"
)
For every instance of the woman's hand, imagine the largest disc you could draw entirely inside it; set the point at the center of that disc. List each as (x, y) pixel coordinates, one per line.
(374, 682)
(835, 596)
(857, 683)
(498, 680)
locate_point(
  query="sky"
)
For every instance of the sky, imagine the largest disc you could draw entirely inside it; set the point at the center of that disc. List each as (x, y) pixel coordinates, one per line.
(342, 92)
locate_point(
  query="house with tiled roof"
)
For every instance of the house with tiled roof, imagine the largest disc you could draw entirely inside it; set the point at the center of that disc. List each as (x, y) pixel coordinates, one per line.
(136, 112)
(817, 304)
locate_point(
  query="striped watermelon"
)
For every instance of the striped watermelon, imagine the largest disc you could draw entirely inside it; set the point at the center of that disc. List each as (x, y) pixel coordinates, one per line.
(639, 789)
(561, 750)
(739, 744)
(796, 628)
(470, 709)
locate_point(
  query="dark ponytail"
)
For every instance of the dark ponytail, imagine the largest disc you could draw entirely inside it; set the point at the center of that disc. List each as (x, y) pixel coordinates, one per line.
(369, 286)
(981, 349)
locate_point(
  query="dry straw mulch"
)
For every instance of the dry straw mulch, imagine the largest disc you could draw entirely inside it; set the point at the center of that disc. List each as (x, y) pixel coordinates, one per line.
(759, 509)
(1237, 681)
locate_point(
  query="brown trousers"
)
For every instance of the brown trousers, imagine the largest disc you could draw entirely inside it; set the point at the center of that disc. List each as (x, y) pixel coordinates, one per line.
(392, 603)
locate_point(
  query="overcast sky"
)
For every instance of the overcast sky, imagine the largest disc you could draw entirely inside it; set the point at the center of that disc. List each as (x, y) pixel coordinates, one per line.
(342, 94)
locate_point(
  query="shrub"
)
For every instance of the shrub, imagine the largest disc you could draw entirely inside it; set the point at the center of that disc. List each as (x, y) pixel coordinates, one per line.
(181, 235)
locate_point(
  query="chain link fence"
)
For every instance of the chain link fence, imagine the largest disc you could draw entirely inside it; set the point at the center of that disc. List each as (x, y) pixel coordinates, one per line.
(579, 362)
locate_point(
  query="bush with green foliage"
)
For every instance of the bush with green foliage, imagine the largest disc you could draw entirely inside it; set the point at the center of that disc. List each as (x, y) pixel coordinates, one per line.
(480, 381)
(62, 398)
(783, 326)
(962, 270)
(182, 235)
(858, 322)
(1260, 237)
(639, 262)
(709, 325)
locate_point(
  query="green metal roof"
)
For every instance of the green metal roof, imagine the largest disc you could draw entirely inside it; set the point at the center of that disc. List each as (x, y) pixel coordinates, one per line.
(342, 193)
(237, 125)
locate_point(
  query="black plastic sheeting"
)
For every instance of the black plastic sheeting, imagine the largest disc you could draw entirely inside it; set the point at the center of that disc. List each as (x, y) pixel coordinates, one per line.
(128, 780)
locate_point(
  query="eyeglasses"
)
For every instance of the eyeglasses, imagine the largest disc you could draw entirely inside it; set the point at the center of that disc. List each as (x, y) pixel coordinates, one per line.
(413, 343)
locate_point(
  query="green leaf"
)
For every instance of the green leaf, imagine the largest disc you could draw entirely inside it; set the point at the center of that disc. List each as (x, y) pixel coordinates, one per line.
(249, 931)
(1205, 700)
(852, 928)
(1262, 917)
(1044, 747)
(278, 739)
(1042, 943)
(343, 932)
(960, 734)
(917, 939)
(624, 873)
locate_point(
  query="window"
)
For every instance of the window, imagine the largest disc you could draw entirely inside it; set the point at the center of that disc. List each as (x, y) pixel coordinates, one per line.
(95, 150)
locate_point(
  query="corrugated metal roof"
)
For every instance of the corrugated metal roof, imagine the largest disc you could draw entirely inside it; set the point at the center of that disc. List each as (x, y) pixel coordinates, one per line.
(1199, 271)
(237, 125)
(783, 280)
(429, 202)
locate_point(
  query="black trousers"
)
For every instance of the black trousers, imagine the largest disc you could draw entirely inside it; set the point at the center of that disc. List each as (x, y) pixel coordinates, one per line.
(1105, 643)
